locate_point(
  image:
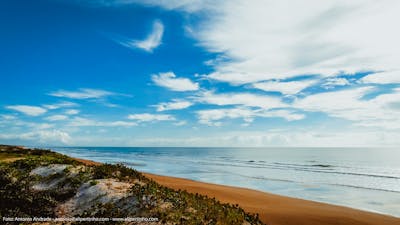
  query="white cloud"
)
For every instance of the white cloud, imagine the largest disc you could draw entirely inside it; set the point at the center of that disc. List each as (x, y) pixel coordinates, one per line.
(28, 110)
(212, 117)
(287, 88)
(285, 114)
(56, 118)
(174, 105)
(53, 136)
(40, 126)
(152, 41)
(335, 81)
(147, 117)
(83, 93)
(72, 112)
(379, 123)
(382, 78)
(244, 99)
(8, 117)
(14, 122)
(302, 37)
(382, 110)
(84, 122)
(63, 104)
(336, 103)
(47, 137)
(170, 81)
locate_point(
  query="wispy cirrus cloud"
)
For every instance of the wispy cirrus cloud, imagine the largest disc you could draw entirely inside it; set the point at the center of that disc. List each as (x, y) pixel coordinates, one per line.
(28, 109)
(380, 111)
(56, 118)
(173, 105)
(332, 82)
(342, 103)
(17, 123)
(148, 117)
(213, 117)
(8, 117)
(85, 122)
(47, 137)
(239, 98)
(83, 93)
(170, 81)
(286, 88)
(72, 112)
(151, 42)
(64, 104)
(390, 77)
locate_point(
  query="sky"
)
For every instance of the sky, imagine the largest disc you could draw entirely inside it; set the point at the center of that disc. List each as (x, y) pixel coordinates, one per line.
(200, 73)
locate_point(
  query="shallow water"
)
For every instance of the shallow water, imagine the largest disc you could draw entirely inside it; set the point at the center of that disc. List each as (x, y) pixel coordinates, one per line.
(363, 178)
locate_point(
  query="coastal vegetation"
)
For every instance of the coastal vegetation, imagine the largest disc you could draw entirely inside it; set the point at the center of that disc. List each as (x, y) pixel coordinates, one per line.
(42, 183)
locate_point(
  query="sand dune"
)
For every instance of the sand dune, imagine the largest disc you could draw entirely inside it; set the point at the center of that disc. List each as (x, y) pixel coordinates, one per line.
(279, 210)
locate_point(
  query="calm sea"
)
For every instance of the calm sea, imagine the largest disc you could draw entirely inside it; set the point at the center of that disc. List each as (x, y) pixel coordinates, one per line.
(363, 178)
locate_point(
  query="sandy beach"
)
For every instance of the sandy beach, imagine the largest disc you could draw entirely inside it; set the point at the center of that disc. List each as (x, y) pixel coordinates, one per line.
(276, 209)
(279, 210)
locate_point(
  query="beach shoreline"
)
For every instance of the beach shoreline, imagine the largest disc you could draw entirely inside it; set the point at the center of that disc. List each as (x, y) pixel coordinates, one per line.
(275, 209)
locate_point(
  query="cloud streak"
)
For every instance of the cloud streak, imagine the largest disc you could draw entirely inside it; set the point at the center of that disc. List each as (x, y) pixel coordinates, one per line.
(147, 117)
(174, 105)
(151, 42)
(72, 112)
(241, 99)
(213, 117)
(47, 137)
(84, 122)
(63, 104)
(286, 88)
(349, 104)
(56, 118)
(170, 81)
(28, 110)
(392, 77)
(83, 93)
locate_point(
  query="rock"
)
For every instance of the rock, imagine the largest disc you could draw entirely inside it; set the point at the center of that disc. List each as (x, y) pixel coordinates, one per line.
(88, 195)
(45, 171)
(47, 185)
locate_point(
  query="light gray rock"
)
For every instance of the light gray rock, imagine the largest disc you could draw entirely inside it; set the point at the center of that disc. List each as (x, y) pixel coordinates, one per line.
(88, 195)
(47, 185)
(45, 171)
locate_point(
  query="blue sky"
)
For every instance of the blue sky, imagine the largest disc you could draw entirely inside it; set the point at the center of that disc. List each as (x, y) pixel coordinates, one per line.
(199, 73)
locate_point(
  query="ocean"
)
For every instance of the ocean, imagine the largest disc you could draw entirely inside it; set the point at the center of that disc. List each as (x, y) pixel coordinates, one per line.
(362, 178)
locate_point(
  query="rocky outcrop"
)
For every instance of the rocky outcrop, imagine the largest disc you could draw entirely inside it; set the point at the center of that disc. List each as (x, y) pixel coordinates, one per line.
(94, 192)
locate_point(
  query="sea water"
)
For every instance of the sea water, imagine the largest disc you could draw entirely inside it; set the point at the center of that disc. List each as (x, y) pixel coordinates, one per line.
(363, 178)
